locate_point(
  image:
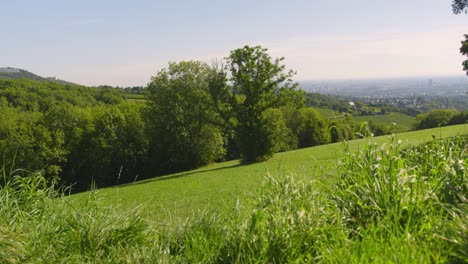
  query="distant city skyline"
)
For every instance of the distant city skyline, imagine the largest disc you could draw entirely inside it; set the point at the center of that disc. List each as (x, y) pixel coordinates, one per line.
(124, 43)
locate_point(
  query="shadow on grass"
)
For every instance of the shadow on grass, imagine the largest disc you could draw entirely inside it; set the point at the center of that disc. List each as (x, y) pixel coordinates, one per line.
(180, 175)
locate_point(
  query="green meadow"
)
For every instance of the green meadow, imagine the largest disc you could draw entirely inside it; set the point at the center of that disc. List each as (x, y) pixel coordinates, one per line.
(218, 187)
(402, 122)
(328, 113)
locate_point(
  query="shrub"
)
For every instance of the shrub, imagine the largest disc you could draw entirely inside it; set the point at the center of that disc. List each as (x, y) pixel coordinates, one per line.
(436, 118)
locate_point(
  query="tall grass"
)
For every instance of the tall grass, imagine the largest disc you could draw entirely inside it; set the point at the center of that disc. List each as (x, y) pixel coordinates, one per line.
(38, 226)
(388, 205)
(415, 196)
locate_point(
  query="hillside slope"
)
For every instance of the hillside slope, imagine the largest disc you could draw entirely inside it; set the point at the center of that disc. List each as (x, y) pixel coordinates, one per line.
(402, 122)
(14, 73)
(220, 186)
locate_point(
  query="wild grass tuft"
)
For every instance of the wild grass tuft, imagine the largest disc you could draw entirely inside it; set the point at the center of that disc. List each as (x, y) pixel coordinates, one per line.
(414, 196)
(37, 225)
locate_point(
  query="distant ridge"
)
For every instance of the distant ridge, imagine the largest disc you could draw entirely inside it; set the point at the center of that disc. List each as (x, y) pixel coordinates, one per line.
(15, 73)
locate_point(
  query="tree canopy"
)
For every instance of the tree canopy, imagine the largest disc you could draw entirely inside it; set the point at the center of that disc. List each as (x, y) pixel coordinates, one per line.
(459, 6)
(250, 84)
(193, 114)
(181, 118)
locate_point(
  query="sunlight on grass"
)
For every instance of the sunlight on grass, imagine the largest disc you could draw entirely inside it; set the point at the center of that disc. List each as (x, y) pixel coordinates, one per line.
(218, 187)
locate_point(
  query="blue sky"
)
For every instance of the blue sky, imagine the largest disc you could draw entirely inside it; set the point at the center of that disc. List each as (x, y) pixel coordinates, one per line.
(124, 43)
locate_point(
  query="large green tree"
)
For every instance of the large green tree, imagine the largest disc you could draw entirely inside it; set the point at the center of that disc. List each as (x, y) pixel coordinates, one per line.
(307, 127)
(116, 148)
(459, 6)
(182, 119)
(245, 89)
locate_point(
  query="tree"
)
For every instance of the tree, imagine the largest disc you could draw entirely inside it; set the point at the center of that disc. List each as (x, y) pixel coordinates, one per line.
(459, 6)
(461, 118)
(110, 96)
(464, 51)
(436, 118)
(342, 128)
(182, 119)
(119, 144)
(250, 84)
(306, 126)
(111, 151)
(30, 145)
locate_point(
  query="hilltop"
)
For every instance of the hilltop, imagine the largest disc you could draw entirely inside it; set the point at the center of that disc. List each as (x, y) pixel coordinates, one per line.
(15, 73)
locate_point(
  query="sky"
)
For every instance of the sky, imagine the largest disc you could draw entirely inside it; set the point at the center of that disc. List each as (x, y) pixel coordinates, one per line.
(124, 43)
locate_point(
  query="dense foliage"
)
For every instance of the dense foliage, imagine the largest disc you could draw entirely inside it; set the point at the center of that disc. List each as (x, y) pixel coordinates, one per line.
(74, 133)
(442, 117)
(183, 123)
(83, 136)
(191, 114)
(249, 91)
(459, 6)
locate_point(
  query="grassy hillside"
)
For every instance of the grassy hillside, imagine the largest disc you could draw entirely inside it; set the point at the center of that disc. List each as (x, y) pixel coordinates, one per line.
(328, 113)
(403, 122)
(13, 73)
(388, 205)
(218, 187)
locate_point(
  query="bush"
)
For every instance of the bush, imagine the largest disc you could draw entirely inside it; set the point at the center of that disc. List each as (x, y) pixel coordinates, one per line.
(460, 118)
(342, 129)
(307, 128)
(436, 118)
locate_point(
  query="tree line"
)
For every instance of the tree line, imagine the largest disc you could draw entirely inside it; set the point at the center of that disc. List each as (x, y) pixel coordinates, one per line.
(244, 107)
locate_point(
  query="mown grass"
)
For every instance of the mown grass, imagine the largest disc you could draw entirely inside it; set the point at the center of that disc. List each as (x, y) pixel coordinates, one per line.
(383, 200)
(134, 96)
(402, 122)
(217, 188)
(329, 113)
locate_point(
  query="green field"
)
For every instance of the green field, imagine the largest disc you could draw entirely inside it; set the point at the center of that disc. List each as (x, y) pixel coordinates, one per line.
(403, 122)
(329, 113)
(138, 98)
(217, 187)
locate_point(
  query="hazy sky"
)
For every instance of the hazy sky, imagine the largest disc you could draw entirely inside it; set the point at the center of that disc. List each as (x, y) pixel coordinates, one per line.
(124, 43)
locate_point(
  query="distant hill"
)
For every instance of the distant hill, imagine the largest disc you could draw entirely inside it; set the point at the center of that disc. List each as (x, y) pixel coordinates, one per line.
(15, 73)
